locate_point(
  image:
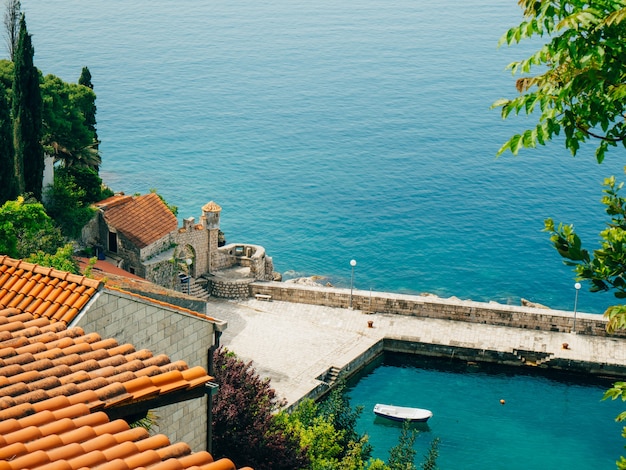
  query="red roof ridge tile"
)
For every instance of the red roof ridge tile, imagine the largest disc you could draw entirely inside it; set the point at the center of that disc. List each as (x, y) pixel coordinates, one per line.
(47, 442)
(174, 451)
(113, 201)
(111, 428)
(16, 411)
(143, 460)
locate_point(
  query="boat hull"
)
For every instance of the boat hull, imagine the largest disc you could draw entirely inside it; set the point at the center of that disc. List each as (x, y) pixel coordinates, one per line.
(400, 413)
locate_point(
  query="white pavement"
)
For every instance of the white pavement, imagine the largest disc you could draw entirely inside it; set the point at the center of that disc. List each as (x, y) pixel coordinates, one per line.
(294, 343)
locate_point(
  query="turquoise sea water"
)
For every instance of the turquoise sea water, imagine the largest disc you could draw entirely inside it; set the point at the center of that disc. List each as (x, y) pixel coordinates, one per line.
(331, 131)
(356, 129)
(545, 423)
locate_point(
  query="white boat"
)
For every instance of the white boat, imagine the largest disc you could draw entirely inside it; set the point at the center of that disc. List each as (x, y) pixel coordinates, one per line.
(402, 413)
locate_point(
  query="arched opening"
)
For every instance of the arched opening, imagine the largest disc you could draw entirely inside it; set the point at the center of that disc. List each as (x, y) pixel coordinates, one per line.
(186, 260)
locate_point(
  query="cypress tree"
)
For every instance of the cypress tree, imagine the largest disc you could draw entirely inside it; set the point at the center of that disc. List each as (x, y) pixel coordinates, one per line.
(7, 156)
(85, 78)
(27, 117)
(90, 108)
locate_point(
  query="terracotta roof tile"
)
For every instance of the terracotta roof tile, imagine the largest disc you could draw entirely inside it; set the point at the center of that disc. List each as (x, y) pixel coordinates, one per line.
(56, 381)
(47, 292)
(142, 219)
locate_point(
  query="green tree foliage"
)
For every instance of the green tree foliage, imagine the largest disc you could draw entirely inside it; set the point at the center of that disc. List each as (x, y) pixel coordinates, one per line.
(69, 199)
(8, 189)
(25, 228)
(89, 106)
(336, 409)
(67, 123)
(6, 76)
(605, 268)
(402, 456)
(27, 117)
(244, 427)
(580, 85)
(581, 90)
(327, 431)
(63, 259)
(618, 390)
(327, 443)
(430, 462)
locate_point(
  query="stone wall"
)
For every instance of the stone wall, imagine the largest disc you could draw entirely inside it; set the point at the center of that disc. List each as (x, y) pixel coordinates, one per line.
(131, 256)
(159, 246)
(197, 237)
(184, 420)
(162, 330)
(245, 255)
(225, 288)
(162, 271)
(434, 307)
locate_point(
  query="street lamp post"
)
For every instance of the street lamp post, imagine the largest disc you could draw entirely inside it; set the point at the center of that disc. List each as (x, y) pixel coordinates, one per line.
(188, 261)
(577, 286)
(353, 264)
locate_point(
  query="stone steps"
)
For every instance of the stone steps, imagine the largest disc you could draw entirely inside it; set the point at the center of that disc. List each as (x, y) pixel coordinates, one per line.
(331, 376)
(532, 357)
(195, 289)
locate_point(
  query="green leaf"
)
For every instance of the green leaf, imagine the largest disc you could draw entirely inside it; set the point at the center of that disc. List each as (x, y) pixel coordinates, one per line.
(527, 139)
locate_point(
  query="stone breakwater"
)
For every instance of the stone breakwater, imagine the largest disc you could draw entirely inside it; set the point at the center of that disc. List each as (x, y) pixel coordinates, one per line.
(427, 306)
(304, 338)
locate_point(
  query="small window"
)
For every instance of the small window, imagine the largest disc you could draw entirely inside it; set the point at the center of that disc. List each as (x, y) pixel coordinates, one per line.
(113, 242)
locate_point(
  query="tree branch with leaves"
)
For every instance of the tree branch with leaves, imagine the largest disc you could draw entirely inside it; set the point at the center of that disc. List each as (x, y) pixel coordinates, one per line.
(581, 87)
(579, 90)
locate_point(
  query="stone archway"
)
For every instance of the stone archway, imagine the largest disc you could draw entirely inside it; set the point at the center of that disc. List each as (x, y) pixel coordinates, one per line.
(186, 260)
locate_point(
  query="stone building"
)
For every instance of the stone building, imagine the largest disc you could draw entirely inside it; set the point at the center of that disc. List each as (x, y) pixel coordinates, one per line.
(141, 235)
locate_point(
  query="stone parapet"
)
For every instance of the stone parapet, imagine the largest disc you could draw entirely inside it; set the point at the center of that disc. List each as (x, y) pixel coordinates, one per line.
(427, 306)
(225, 288)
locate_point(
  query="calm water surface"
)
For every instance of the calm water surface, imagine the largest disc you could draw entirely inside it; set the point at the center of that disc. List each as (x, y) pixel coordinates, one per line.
(331, 130)
(547, 422)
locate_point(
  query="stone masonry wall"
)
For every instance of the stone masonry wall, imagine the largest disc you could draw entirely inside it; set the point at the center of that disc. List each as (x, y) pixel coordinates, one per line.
(197, 237)
(157, 247)
(180, 336)
(163, 273)
(229, 288)
(222, 259)
(435, 307)
(131, 255)
(245, 255)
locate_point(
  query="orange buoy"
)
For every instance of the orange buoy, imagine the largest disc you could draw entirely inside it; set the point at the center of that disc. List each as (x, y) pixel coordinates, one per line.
(502, 402)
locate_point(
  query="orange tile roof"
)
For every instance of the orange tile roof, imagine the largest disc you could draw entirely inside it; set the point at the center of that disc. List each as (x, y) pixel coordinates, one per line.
(58, 387)
(105, 270)
(142, 219)
(44, 292)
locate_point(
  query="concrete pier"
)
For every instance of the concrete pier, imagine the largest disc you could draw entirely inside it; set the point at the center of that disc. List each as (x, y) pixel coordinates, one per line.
(301, 346)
